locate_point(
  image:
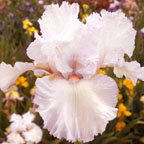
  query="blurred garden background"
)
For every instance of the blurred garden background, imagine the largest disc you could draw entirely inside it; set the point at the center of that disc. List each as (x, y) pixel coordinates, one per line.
(18, 23)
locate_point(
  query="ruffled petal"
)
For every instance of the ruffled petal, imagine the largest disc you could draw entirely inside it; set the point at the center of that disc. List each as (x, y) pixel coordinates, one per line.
(59, 22)
(116, 35)
(9, 74)
(86, 56)
(131, 70)
(76, 111)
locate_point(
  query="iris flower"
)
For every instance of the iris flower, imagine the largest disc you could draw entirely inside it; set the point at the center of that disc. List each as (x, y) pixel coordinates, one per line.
(75, 102)
(23, 130)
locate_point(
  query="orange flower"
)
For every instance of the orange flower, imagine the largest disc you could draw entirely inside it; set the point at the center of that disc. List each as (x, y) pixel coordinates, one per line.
(22, 81)
(120, 126)
(128, 84)
(122, 111)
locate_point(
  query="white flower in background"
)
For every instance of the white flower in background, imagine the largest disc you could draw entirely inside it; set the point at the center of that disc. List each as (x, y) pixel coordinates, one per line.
(75, 102)
(33, 134)
(115, 5)
(20, 123)
(15, 138)
(23, 130)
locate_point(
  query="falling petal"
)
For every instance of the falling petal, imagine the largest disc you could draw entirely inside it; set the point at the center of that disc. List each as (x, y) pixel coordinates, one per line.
(76, 111)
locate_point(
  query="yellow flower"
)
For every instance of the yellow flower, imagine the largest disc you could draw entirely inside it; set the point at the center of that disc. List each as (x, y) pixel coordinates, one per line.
(84, 17)
(120, 126)
(101, 71)
(122, 111)
(28, 26)
(85, 6)
(128, 84)
(25, 84)
(120, 96)
(17, 82)
(31, 30)
(26, 23)
(22, 81)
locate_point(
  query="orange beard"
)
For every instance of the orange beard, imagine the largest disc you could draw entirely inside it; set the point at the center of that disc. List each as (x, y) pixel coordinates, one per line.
(73, 78)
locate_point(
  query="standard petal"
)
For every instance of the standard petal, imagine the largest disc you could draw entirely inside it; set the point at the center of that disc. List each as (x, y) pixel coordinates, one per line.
(131, 70)
(9, 74)
(116, 35)
(60, 46)
(76, 111)
(59, 22)
(86, 54)
(57, 55)
(79, 56)
(34, 50)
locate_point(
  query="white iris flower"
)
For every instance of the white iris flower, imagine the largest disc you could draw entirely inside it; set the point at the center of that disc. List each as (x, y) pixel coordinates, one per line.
(75, 102)
(23, 130)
